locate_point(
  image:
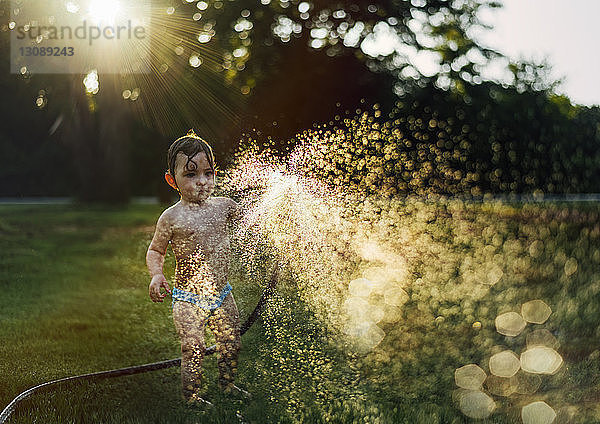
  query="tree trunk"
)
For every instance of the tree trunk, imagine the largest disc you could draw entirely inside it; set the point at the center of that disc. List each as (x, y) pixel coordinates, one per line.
(98, 135)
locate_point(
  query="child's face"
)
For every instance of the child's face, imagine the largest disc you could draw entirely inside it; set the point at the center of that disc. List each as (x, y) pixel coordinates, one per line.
(197, 183)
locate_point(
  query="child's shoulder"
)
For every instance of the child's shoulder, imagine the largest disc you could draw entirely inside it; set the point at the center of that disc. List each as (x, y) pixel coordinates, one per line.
(173, 209)
(218, 204)
(171, 213)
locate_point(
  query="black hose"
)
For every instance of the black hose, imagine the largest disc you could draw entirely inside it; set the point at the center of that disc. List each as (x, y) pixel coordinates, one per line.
(139, 368)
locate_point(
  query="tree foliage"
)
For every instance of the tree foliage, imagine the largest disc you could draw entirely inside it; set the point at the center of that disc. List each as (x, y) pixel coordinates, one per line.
(253, 36)
(274, 68)
(499, 142)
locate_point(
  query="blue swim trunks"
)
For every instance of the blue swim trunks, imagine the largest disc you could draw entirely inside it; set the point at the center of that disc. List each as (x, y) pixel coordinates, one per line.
(202, 302)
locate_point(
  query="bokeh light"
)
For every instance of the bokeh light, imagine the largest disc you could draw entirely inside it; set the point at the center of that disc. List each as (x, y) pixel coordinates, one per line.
(469, 377)
(510, 324)
(541, 360)
(499, 386)
(535, 311)
(504, 364)
(476, 404)
(91, 82)
(538, 413)
(542, 337)
(408, 289)
(525, 383)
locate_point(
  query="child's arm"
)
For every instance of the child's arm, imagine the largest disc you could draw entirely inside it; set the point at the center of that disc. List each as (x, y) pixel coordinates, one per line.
(155, 258)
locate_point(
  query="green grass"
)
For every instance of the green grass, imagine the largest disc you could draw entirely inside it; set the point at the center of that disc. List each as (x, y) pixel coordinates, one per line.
(74, 300)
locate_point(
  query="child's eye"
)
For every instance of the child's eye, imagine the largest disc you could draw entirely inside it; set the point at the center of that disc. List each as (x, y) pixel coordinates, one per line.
(208, 173)
(189, 175)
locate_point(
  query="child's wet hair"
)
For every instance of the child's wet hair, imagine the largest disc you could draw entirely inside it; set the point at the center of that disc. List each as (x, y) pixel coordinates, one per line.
(190, 145)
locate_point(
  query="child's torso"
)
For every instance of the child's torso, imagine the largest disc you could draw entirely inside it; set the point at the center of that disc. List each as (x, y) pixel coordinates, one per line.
(200, 243)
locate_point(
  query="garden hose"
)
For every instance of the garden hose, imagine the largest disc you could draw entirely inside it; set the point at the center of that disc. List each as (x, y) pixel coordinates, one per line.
(139, 368)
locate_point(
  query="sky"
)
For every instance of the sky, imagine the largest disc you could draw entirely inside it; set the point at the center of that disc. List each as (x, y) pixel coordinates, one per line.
(563, 31)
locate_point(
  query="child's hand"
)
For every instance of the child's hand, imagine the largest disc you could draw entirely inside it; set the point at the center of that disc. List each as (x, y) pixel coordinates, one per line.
(158, 281)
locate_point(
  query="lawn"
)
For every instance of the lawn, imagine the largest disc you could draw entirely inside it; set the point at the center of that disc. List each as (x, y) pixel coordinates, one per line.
(75, 300)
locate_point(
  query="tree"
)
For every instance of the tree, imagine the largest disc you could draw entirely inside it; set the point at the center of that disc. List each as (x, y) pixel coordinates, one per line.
(275, 67)
(300, 62)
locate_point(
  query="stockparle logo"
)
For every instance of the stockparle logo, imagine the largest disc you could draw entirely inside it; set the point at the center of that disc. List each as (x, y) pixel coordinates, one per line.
(51, 36)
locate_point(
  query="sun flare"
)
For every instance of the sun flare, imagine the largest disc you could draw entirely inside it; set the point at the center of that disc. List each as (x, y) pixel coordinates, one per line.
(104, 10)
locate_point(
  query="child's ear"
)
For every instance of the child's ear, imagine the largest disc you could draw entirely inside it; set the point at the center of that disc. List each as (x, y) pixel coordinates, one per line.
(170, 180)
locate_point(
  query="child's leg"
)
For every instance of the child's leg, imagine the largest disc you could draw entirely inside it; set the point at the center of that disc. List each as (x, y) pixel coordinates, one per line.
(189, 322)
(225, 324)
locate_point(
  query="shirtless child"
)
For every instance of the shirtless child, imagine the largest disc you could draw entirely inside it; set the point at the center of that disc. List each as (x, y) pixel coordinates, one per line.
(196, 227)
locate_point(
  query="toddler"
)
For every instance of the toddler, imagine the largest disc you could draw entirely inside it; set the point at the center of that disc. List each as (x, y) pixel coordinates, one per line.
(196, 227)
